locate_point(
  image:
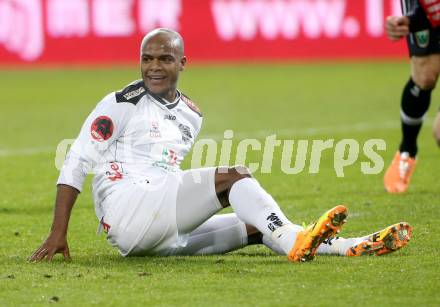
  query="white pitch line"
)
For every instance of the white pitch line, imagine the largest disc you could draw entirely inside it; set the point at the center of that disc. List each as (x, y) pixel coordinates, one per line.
(298, 132)
(25, 151)
(258, 134)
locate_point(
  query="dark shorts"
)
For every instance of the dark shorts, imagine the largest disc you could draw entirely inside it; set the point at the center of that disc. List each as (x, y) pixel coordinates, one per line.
(424, 42)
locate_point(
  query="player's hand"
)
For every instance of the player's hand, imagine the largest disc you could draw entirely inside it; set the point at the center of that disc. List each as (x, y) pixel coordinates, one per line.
(54, 244)
(397, 27)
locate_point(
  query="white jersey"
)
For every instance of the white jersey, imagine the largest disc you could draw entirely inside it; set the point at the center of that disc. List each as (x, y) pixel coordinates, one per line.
(131, 136)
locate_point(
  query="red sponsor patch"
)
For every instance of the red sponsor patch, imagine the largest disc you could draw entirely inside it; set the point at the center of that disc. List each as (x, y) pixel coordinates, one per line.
(102, 128)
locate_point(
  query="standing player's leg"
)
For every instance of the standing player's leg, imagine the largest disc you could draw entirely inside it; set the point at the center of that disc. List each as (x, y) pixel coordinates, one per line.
(424, 49)
(416, 98)
(436, 128)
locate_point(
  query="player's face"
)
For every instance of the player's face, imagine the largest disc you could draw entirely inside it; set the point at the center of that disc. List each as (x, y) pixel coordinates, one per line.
(161, 63)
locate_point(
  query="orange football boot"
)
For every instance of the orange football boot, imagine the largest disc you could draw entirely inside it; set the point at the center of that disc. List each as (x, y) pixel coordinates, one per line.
(383, 242)
(398, 174)
(308, 240)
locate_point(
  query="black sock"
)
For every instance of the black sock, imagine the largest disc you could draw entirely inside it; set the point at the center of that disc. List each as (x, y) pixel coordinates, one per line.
(415, 103)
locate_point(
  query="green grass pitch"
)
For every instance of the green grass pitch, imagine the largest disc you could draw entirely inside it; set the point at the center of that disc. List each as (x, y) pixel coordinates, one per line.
(295, 101)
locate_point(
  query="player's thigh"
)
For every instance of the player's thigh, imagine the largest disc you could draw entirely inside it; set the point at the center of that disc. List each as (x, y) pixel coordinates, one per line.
(196, 199)
(424, 50)
(142, 216)
(425, 70)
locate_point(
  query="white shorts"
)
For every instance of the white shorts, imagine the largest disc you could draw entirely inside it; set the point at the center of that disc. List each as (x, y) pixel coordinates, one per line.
(151, 217)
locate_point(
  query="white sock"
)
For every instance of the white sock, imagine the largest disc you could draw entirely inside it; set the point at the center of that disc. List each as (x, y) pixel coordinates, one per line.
(273, 245)
(338, 246)
(254, 206)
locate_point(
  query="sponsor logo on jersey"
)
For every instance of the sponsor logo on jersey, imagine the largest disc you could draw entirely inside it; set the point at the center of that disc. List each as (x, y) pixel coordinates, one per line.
(116, 175)
(134, 93)
(169, 168)
(102, 128)
(186, 133)
(169, 117)
(154, 129)
(169, 156)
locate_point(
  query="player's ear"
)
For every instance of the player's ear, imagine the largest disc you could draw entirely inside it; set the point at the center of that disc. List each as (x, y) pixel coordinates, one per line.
(182, 63)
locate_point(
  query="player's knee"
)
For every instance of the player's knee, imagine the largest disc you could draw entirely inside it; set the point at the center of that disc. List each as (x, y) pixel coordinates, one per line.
(427, 80)
(436, 134)
(425, 72)
(436, 129)
(238, 172)
(242, 171)
(437, 139)
(227, 176)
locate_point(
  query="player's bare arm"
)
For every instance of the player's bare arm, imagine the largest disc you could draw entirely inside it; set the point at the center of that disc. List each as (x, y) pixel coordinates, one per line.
(56, 242)
(397, 27)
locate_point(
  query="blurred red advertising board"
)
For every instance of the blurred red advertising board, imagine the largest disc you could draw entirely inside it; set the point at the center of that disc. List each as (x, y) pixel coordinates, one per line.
(109, 31)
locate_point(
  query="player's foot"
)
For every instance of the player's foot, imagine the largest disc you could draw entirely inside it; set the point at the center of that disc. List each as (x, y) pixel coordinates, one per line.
(383, 242)
(308, 240)
(398, 174)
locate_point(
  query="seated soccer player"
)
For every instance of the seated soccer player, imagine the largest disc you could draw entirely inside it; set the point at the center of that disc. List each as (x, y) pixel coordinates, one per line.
(421, 26)
(134, 141)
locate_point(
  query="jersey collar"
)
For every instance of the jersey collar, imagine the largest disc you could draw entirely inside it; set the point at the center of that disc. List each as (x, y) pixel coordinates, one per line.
(166, 103)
